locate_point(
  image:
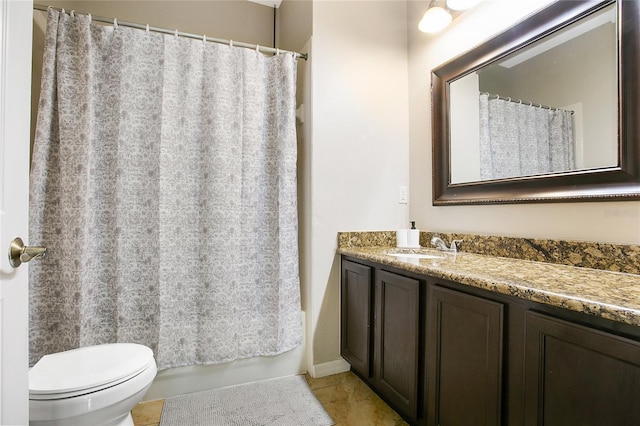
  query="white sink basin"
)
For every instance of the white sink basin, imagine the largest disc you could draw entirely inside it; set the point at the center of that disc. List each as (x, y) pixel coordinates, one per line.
(416, 255)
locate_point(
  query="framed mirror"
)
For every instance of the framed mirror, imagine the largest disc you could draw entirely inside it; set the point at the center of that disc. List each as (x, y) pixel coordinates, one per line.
(547, 111)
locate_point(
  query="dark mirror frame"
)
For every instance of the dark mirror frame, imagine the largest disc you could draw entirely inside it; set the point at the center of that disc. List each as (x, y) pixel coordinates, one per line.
(621, 182)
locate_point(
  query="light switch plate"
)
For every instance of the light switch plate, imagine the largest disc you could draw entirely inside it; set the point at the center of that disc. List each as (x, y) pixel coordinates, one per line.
(403, 195)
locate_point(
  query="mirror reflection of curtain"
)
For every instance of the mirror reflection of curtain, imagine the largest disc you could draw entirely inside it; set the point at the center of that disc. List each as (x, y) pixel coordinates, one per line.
(517, 139)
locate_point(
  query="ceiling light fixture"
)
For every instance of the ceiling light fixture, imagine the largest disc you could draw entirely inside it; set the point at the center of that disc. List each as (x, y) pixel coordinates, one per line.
(435, 19)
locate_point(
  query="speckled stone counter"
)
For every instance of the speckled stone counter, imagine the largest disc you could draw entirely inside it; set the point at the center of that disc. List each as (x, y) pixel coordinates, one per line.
(585, 254)
(610, 295)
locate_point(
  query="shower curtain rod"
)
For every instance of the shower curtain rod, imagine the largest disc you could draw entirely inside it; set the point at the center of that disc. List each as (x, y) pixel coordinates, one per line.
(520, 101)
(116, 22)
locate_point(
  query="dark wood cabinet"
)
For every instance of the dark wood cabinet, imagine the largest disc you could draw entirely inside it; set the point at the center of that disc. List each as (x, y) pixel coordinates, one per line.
(355, 310)
(464, 359)
(444, 353)
(380, 333)
(576, 375)
(396, 341)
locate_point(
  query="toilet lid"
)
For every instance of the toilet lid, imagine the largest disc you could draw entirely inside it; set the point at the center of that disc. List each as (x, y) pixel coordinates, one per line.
(90, 367)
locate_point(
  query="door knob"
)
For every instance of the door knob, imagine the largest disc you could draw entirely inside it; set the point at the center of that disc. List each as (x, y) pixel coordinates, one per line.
(19, 253)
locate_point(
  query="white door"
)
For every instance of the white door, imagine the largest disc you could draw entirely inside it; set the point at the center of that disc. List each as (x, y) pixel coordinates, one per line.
(16, 17)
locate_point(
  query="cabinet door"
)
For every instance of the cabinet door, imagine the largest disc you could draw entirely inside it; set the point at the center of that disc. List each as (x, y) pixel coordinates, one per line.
(397, 341)
(464, 359)
(355, 313)
(579, 376)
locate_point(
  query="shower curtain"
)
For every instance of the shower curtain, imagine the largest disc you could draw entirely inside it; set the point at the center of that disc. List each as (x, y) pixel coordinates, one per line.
(163, 183)
(517, 139)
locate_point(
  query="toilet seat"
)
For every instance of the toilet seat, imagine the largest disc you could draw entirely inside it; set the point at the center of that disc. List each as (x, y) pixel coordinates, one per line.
(87, 370)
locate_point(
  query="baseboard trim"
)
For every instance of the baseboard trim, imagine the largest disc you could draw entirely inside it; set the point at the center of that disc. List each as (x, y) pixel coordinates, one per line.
(329, 368)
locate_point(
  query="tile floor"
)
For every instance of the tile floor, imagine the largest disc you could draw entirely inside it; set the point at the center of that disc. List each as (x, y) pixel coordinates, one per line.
(345, 397)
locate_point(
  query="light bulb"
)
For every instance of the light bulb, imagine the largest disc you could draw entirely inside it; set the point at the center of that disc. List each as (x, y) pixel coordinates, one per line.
(462, 4)
(434, 20)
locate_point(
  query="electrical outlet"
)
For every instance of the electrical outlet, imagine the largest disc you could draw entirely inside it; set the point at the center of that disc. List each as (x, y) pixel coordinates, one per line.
(403, 195)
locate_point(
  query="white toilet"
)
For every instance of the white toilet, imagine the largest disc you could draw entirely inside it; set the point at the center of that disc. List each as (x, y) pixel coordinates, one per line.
(95, 385)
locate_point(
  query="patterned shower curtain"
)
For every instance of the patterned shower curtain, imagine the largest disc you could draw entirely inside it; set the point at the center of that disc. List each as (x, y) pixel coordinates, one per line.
(517, 139)
(163, 183)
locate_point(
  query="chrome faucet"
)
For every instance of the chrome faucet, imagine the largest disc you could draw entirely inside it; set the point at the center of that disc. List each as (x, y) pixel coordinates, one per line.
(442, 246)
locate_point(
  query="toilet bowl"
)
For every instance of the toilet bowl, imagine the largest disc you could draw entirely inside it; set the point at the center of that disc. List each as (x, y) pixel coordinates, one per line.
(94, 385)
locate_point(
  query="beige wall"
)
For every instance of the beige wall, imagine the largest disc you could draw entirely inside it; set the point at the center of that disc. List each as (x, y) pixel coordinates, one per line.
(359, 147)
(615, 222)
(228, 19)
(294, 24)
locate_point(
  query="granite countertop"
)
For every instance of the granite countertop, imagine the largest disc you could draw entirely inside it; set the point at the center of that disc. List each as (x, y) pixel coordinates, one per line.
(610, 295)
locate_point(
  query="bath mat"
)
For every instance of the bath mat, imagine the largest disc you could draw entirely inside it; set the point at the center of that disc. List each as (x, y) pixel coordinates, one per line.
(286, 401)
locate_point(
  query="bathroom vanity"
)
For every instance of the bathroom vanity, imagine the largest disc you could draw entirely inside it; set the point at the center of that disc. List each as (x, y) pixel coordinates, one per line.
(477, 339)
(466, 339)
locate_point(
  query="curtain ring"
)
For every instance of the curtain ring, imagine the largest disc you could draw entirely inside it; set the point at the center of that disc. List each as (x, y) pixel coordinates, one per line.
(115, 24)
(89, 17)
(176, 33)
(147, 28)
(231, 43)
(277, 52)
(258, 48)
(73, 13)
(204, 38)
(509, 99)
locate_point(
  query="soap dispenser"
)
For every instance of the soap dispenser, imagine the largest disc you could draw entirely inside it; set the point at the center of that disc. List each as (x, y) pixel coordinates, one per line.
(413, 236)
